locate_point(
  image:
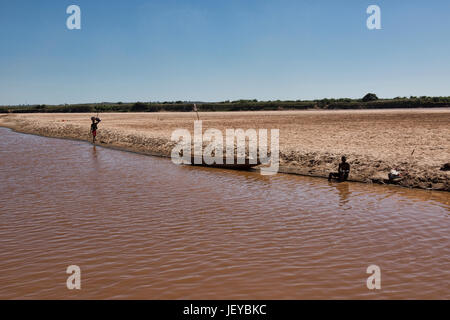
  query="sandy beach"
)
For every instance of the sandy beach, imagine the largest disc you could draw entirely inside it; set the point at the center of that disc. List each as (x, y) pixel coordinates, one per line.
(415, 142)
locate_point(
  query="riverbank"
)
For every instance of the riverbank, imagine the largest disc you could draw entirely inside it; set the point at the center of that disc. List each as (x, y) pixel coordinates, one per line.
(414, 141)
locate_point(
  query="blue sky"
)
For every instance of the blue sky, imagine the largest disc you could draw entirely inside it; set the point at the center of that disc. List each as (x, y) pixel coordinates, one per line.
(214, 50)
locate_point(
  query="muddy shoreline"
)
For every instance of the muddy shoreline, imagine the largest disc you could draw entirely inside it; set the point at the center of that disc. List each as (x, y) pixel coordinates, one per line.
(319, 133)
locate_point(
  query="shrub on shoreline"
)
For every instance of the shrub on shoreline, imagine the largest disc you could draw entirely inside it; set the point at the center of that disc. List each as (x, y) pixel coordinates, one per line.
(239, 105)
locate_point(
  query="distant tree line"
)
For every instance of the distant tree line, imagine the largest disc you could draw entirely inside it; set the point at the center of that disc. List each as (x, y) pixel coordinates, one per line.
(369, 101)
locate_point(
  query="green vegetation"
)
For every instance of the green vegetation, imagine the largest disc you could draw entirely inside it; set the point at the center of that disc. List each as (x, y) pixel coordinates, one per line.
(369, 101)
(370, 97)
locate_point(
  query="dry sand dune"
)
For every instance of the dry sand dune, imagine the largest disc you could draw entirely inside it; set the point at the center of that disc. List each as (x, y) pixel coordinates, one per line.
(311, 142)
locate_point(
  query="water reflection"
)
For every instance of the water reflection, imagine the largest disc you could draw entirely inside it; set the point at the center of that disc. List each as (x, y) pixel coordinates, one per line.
(343, 189)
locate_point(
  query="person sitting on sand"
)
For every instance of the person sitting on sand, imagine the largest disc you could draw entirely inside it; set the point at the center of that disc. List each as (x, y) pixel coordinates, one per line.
(95, 122)
(343, 171)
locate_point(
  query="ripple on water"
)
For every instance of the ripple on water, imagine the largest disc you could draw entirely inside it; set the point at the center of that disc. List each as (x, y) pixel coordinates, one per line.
(141, 227)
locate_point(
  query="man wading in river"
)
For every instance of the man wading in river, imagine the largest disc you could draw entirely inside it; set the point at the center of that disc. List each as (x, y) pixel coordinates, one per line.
(343, 171)
(95, 122)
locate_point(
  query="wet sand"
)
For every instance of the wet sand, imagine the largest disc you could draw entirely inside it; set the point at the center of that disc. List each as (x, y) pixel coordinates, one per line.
(416, 142)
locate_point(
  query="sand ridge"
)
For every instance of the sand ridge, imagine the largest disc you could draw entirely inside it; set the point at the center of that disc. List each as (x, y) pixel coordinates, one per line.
(414, 141)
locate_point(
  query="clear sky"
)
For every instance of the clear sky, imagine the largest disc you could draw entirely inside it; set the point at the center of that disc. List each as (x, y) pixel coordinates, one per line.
(214, 50)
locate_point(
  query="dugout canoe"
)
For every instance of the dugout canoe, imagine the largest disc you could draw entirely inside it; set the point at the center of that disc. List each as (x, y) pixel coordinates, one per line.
(245, 165)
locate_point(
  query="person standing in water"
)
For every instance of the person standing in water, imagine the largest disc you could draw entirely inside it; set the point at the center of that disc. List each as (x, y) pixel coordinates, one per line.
(95, 122)
(343, 171)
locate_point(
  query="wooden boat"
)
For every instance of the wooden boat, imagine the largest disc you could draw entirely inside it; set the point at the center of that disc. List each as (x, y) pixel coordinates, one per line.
(246, 165)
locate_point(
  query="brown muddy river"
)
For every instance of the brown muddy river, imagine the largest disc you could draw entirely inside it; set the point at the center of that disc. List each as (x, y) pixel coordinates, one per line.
(142, 227)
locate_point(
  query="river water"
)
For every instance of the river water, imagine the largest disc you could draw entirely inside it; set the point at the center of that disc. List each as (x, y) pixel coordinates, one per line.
(142, 227)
